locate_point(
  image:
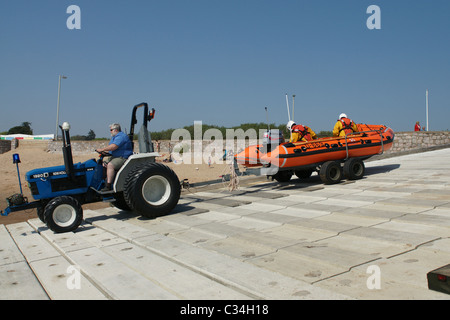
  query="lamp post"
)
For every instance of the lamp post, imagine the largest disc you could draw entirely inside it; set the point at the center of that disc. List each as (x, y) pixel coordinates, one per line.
(426, 96)
(57, 106)
(293, 101)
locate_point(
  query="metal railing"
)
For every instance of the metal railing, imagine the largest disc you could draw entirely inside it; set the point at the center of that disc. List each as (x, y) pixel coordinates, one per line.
(361, 133)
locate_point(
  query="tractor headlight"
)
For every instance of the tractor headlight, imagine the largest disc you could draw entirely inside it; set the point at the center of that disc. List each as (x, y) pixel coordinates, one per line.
(66, 126)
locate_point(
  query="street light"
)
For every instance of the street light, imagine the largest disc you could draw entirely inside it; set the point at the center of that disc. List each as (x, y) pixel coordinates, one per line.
(426, 104)
(57, 106)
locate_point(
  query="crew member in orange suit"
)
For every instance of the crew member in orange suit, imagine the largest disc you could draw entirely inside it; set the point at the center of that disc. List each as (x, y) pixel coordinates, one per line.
(344, 126)
(300, 132)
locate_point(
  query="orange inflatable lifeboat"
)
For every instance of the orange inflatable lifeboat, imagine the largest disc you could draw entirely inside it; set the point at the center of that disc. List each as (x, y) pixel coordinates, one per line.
(333, 157)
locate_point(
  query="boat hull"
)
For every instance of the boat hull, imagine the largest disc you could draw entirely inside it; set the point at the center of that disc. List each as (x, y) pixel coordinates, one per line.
(369, 141)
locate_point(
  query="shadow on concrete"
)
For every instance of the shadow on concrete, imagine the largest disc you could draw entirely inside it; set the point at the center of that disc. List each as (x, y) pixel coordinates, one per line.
(381, 169)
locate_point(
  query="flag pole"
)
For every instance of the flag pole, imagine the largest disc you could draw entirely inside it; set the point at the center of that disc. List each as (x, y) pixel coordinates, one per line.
(428, 128)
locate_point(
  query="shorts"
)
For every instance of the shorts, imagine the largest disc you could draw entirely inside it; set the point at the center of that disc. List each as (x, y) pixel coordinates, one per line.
(117, 162)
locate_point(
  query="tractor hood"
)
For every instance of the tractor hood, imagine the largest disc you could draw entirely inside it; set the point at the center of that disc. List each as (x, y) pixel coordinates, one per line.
(53, 181)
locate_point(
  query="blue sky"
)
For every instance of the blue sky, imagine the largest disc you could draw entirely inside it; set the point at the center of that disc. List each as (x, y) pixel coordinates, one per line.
(223, 61)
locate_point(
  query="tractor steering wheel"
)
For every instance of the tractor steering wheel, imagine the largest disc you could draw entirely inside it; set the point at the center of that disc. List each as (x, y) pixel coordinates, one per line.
(103, 153)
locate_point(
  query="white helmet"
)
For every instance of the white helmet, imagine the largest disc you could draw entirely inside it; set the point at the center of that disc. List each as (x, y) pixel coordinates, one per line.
(290, 124)
(342, 115)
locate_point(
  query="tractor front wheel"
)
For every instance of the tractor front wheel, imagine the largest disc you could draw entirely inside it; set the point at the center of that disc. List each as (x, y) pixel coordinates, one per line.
(63, 214)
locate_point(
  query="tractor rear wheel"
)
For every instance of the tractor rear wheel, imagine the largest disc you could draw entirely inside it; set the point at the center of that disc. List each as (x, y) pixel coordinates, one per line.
(63, 214)
(152, 190)
(120, 202)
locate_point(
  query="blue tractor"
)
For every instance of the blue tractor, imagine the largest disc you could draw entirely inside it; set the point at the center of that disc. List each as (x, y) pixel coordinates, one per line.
(141, 185)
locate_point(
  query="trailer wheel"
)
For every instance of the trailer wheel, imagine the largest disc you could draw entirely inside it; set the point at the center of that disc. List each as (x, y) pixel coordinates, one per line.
(303, 174)
(330, 172)
(63, 214)
(354, 169)
(283, 176)
(152, 190)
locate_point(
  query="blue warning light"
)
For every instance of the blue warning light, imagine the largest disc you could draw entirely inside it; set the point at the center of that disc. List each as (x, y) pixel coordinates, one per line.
(16, 158)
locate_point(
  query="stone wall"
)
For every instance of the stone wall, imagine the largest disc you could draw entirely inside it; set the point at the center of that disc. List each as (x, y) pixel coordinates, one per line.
(165, 146)
(403, 142)
(409, 141)
(5, 146)
(78, 147)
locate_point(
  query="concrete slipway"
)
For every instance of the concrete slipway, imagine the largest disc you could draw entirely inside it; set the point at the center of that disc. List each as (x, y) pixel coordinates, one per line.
(374, 238)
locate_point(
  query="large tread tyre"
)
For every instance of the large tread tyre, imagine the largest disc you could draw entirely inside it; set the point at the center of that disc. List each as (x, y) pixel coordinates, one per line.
(40, 210)
(283, 176)
(40, 214)
(152, 190)
(354, 169)
(303, 174)
(63, 214)
(120, 202)
(331, 172)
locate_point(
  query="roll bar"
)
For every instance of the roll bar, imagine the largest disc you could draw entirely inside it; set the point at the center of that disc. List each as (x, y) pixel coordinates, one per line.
(148, 116)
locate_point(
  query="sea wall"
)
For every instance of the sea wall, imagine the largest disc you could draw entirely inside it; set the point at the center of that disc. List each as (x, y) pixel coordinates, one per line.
(5, 146)
(410, 141)
(403, 142)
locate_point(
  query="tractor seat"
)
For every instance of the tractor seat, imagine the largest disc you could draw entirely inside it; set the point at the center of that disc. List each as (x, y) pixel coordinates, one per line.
(144, 140)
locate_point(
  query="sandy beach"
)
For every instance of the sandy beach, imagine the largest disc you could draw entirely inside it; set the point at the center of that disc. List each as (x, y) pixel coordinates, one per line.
(33, 157)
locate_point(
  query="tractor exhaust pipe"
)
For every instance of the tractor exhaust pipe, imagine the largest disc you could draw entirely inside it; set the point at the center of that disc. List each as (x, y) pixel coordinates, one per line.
(67, 150)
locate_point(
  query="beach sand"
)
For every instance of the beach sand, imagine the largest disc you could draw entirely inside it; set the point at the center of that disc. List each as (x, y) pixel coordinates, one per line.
(34, 157)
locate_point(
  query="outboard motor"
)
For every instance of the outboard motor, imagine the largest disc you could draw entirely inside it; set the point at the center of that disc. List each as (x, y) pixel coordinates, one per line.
(271, 139)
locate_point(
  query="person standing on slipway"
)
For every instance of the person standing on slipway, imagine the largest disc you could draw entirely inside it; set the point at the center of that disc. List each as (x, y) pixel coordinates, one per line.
(417, 127)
